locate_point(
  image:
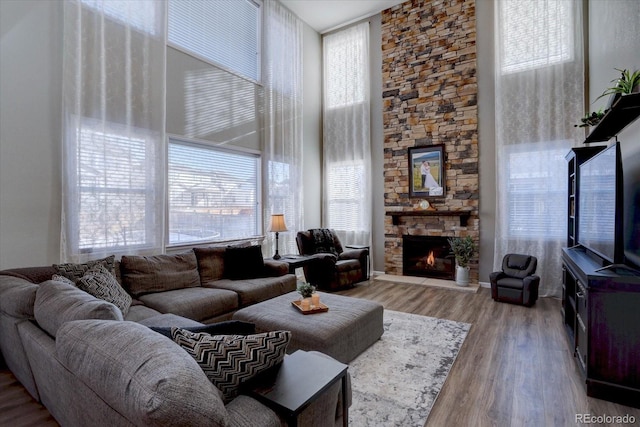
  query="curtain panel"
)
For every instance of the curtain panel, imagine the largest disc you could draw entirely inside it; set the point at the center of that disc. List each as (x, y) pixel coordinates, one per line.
(282, 145)
(113, 128)
(346, 130)
(540, 88)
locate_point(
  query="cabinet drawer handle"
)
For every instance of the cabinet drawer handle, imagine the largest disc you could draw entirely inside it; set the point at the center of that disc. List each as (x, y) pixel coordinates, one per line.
(584, 328)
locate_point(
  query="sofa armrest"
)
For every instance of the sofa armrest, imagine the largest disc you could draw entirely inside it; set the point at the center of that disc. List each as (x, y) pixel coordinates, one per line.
(156, 384)
(531, 281)
(245, 411)
(273, 268)
(358, 254)
(495, 276)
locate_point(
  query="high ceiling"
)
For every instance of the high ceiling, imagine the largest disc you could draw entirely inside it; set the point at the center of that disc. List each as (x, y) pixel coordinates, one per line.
(325, 15)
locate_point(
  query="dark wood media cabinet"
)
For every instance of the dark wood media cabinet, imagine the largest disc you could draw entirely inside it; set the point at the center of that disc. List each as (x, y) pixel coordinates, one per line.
(601, 311)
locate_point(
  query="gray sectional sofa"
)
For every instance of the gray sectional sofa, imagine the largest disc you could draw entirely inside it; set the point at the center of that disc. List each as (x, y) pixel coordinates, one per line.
(91, 365)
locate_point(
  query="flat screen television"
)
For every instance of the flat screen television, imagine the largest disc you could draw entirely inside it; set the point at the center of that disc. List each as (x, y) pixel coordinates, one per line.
(600, 205)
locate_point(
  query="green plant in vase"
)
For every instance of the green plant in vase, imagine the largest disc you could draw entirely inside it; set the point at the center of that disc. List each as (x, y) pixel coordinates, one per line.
(306, 289)
(462, 249)
(624, 85)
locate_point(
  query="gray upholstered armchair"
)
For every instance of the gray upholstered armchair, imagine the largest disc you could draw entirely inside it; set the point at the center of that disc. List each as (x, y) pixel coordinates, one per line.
(334, 267)
(516, 283)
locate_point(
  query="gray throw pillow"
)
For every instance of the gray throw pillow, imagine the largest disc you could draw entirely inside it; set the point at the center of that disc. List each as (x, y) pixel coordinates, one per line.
(230, 360)
(76, 271)
(100, 283)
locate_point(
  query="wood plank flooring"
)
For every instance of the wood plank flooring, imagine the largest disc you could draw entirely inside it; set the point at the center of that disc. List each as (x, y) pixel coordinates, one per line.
(514, 369)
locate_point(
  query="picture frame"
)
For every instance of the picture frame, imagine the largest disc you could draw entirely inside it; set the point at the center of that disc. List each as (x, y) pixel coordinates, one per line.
(427, 172)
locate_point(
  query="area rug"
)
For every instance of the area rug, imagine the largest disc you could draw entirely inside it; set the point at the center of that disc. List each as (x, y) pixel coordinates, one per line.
(396, 381)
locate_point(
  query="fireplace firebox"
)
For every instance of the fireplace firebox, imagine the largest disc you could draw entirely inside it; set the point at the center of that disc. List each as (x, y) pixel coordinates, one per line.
(427, 256)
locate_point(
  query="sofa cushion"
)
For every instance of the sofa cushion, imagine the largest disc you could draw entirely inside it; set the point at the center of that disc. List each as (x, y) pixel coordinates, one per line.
(17, 297)
(230, 327)
(243, 262)
(138, 313)
(199, 303)
(76, 271)
(140, 373)
(210, 262)
(57, 303)
(230, 360)
(252, 291)
(157, 273)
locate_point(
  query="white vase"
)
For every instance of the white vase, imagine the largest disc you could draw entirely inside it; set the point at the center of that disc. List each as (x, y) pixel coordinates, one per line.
(462, 276)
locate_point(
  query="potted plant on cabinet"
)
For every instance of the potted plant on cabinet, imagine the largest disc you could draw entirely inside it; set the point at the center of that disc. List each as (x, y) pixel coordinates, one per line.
(462, 249)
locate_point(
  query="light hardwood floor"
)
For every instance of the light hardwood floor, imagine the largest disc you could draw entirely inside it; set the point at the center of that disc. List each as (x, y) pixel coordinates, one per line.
(514, 369)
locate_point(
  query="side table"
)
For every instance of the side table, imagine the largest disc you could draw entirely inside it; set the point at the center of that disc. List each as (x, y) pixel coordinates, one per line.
(295, 261)
(301, 379)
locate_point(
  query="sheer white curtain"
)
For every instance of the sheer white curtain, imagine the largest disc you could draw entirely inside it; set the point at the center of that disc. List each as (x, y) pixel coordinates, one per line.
(114, 121)
(347, 148)
(282, 154)
(539, 97)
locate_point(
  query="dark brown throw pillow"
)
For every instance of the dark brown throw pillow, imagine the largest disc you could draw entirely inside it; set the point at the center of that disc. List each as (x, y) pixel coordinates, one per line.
(243, 263)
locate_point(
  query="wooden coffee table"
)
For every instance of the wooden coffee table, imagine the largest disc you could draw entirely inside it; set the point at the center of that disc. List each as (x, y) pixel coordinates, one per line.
(301, 379)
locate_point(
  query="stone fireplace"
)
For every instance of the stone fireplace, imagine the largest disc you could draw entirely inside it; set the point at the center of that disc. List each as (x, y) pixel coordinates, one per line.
(427, 256)
(430, 98)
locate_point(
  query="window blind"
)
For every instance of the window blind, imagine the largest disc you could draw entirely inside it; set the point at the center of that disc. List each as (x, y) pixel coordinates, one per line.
(113, 174)
(525, 44)
(225, 32)
(213, 193)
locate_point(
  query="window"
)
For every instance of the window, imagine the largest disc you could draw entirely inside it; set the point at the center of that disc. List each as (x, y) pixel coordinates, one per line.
(114, 184)
(347, 200)
(213, 193)
(525, 44)
(225, 32)
(536, 193)
(344, 57)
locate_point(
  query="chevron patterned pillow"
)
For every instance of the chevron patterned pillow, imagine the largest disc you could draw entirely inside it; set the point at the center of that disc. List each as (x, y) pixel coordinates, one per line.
(76, 271)
(100, 283)
(230, 360)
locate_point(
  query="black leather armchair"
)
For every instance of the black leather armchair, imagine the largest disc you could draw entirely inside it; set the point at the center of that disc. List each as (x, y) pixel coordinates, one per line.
(517, 282)
(333, 267)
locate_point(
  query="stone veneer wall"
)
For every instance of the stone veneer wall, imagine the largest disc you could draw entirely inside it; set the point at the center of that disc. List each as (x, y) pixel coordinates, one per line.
(430, 97)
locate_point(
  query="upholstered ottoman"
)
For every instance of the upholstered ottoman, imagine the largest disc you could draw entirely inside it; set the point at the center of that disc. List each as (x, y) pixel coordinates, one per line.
(349, 327)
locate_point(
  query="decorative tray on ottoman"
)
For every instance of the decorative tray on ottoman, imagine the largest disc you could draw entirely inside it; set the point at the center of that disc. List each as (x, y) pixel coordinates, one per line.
(311, 310)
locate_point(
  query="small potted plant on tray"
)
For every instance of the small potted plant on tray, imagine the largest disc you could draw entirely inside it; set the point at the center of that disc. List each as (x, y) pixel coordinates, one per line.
(306, 290)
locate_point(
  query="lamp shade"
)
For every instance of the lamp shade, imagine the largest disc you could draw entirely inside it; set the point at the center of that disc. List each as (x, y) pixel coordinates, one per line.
(277, 223)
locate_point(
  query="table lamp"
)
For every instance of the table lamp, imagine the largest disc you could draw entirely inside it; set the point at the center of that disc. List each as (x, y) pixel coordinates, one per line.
(277, 225)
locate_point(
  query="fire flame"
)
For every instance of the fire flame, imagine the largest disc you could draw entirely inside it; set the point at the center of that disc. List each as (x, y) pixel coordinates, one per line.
(431, 260)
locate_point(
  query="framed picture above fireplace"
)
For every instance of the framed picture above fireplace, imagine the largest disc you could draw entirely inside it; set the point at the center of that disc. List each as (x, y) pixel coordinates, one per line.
(426, 171)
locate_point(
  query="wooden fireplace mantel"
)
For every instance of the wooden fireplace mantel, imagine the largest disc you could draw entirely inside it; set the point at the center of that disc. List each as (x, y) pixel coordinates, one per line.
(464, 215)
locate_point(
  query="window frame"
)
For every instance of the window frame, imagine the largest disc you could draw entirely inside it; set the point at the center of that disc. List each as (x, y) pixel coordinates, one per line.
(203, 144)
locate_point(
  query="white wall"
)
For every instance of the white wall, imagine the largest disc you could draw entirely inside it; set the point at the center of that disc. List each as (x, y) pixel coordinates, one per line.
(486, 135)
(614, 40)
(312, 128)
(30, 132)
